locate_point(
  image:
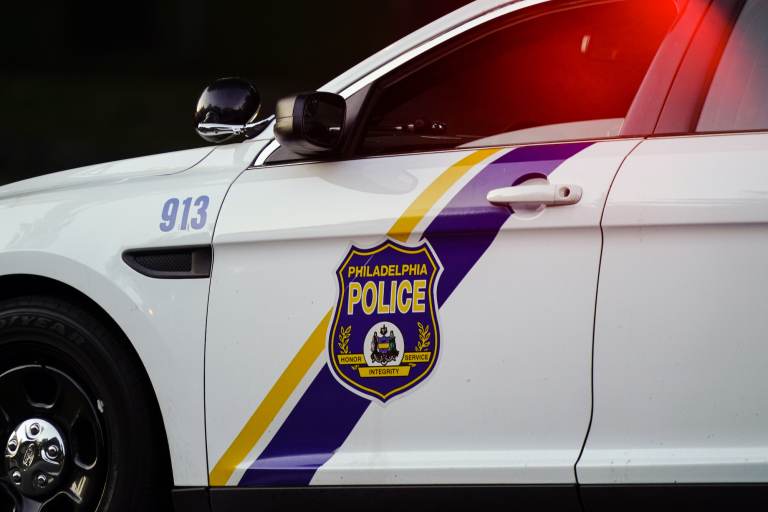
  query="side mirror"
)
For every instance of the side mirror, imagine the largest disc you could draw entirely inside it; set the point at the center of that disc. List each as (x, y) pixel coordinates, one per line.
(310, 123)
(227, 108)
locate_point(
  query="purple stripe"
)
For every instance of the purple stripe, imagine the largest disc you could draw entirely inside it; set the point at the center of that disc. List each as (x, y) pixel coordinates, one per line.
(310, 434)
(468, 224)
(327, 412)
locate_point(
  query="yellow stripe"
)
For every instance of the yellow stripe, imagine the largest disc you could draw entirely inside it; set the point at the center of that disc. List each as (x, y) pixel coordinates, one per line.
(299, 366)
(405, 225)
(272, 403)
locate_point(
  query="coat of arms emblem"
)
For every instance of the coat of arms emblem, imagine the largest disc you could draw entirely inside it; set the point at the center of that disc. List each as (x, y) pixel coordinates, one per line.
(384, 336)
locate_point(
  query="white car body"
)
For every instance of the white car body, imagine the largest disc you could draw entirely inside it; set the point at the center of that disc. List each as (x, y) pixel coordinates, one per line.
(620, 340)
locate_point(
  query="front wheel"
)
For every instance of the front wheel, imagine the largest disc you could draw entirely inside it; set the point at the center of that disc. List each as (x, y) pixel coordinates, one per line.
(76, 421)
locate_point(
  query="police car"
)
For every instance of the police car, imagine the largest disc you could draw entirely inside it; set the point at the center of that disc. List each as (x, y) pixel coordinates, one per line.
(518, 258)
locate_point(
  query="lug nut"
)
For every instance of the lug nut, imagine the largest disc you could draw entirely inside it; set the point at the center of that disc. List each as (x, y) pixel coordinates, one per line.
(16, 477)
(34, 429)
(52, 451)
(41, 480)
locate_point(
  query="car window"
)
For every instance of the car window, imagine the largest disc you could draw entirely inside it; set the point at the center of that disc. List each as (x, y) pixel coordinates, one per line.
(736, 99)
(558, 71)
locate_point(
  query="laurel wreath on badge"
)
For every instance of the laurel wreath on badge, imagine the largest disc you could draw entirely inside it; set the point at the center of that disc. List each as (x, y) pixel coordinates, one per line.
(424, 337)
(344, 334)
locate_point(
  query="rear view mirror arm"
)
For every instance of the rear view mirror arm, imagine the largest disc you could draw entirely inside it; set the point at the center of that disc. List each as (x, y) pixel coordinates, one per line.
(250, 130)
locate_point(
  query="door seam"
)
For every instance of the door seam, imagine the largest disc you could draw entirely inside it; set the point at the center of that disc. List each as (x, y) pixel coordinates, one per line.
(594, 324)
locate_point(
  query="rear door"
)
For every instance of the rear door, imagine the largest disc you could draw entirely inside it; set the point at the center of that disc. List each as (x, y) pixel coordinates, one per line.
(375, 320)
(680, 348)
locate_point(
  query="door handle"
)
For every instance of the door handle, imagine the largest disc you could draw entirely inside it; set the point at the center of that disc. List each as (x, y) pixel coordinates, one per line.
(549, 194)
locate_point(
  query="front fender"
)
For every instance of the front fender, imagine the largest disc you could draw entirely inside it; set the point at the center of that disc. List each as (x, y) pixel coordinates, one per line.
(171, 351)
(77, 236)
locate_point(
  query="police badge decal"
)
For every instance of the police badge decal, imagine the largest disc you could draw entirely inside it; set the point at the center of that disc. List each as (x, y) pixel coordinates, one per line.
(384, 336)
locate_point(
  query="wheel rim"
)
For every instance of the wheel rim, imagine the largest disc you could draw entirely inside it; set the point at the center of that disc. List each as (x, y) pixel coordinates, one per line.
(53, 441)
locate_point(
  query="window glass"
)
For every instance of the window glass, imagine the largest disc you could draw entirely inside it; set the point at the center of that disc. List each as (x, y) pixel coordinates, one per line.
(736, 99)
(550, 72)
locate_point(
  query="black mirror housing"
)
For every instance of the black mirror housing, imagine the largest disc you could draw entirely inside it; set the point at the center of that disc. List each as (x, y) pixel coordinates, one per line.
(310, 123)
(227, 103)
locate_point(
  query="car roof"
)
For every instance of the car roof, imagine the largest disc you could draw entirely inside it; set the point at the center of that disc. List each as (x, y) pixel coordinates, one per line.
(427, 32)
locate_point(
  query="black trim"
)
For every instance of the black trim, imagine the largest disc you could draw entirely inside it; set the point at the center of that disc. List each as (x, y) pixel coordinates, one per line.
(689, 90)
(191, 499)
(447, 498)
(358, 106)
(423, 498)
(187, 262)
(674, 497)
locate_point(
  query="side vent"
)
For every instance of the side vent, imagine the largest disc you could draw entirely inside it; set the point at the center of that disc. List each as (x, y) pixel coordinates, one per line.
(171, 263)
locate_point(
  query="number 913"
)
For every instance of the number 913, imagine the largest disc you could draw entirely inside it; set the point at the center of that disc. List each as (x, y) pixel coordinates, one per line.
(194, 213)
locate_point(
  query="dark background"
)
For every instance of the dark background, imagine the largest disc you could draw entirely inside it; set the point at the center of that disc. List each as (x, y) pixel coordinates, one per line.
(85, 82)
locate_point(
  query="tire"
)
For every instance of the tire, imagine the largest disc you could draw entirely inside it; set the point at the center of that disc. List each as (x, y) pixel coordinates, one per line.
(60, 364)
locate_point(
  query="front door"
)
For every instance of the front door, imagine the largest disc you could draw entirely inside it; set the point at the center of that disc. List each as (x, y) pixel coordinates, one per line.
(311, 256)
